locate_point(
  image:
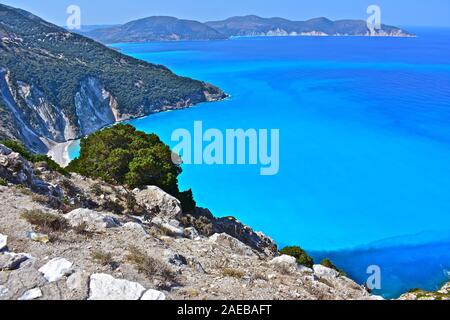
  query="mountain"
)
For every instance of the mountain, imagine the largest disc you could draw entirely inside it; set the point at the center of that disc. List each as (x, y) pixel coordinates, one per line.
(256, 26)
(56, 85)
(156, 29)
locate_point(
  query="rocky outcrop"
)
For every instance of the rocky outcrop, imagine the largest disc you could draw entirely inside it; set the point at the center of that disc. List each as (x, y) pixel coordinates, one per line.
(203, 221)
(16, 170)
(418, 294)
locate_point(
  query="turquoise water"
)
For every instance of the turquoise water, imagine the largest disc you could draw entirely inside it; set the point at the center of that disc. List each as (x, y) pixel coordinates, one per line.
(365, 145)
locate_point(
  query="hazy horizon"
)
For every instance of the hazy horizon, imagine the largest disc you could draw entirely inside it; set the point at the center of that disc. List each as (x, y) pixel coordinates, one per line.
(433, 13)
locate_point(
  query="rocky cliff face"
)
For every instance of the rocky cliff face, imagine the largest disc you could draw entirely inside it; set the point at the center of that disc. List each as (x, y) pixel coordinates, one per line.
(86, 239)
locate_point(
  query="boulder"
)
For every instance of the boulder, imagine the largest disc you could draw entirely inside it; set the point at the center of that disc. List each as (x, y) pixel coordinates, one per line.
(56, 269)
(152, 295)
(284, 259)
(158, 203)
(106, 287)
(3, 242)
(95, 221)
(11, 261)
(31, 294)
(234, 244)
(324, 272)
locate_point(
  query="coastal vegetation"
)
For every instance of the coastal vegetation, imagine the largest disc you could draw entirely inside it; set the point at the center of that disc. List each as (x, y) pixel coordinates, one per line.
(125, 156)
(329, 264)
(299, 254)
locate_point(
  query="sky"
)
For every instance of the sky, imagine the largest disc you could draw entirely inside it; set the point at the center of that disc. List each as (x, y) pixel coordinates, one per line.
(394, 12)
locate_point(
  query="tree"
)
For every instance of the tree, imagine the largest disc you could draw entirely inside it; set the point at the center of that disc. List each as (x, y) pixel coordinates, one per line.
(123, 155)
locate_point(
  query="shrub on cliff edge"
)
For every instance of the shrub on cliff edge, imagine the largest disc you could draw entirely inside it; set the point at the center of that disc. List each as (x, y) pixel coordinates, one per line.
(122, 155)
(302, 257)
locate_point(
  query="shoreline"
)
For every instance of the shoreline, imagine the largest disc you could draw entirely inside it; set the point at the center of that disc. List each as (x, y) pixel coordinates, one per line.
(59, 152)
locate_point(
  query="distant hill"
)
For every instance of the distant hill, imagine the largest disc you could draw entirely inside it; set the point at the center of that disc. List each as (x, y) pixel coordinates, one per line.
(56, 85)
(156, 29)
(173, 29)
(257, 26)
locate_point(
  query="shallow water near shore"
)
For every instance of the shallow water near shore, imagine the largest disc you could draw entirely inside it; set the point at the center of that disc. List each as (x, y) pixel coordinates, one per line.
(364, 149)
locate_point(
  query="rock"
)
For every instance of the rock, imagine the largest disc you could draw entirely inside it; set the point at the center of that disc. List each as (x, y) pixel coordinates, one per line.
(158, 202)
(175, 258)
(229, 225)
(106, 287)
(191, 233)
(11, 261)
(31, 294)
(324, 272)
(56, 269)
(78, 281)
(135, 227)
(3, 242)
(169, 227)
(152, 295)
(3, 291)
(95, 221)
(304, 269)
(228, 241)
(284, 259)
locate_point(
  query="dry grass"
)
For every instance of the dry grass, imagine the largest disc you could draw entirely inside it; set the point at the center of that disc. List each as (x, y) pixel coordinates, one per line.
(103, 258)
(233, 273)
(82, 229)
(45, 222)
(149, 266)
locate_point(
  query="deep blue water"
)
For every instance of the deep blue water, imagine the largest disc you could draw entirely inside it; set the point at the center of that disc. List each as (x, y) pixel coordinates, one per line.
(365, 145)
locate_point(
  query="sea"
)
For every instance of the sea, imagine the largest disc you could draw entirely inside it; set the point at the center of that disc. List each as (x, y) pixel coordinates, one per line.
(364, 175)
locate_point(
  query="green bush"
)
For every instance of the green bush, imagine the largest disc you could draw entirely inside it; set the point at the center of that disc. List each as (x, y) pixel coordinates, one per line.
(302, 257)
(122, 155)
(34, 158)
(3, 182)
(327, 263)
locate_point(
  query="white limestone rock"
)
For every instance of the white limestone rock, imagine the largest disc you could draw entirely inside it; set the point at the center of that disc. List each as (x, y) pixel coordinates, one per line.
(3, 241)
(158, 202)
(95, 221)
(324, 272)
(284, 259)
(153, 295)
(31, 294)
(56, 269)
(3, 291)
(106, 287)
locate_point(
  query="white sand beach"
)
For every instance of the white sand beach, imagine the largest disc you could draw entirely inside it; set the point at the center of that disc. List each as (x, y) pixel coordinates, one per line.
(59, 152)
